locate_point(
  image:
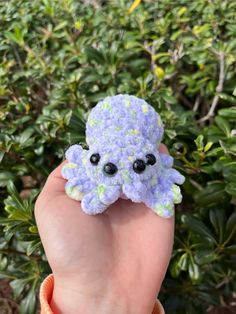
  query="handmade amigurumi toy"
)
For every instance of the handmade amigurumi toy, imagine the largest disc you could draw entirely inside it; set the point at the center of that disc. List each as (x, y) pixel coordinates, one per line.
(123, 134)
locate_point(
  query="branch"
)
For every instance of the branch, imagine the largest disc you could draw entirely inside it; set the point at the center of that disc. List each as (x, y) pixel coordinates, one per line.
(151, 51)
(18, 58)
(184, 100)
(219, 88)
(196, 104)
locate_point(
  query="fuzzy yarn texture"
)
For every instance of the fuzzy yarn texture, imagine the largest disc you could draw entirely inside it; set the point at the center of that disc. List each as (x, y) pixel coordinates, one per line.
(122, 132)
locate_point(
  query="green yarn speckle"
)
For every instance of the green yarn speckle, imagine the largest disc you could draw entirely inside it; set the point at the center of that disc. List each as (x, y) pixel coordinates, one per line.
(93, 122)
(153, 181)
(126, 176)
(133, 114)
(133, 132)
(177, 196)
(106, 106)
(127, 103)
(101, 189)
(74, 193)
(165, 210)
(145, 109)
(70, 165)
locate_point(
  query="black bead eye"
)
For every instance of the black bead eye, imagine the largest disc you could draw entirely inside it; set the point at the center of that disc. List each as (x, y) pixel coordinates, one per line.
(110, 168)
(139, 165)
(94, 159)
(151, 159)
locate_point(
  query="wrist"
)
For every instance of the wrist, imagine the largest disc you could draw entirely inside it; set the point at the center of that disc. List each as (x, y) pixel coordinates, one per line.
(70, 297)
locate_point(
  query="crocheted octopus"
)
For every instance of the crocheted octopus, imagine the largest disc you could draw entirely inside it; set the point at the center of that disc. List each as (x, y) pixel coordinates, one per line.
(123, 134)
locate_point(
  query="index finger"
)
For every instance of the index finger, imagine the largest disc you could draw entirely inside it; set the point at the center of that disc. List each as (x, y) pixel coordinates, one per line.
(54, 185)
(163, 149)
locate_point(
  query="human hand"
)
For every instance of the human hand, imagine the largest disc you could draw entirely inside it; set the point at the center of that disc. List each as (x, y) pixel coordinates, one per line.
(108, 263)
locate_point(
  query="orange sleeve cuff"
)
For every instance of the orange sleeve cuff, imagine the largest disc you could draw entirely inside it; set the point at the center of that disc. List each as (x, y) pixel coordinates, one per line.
(45, 295)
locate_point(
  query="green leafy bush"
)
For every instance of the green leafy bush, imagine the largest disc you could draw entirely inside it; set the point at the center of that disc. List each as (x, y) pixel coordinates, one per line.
(57, 59)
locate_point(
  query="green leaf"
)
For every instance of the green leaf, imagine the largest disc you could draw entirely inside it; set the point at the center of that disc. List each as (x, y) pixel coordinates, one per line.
(60, 26)
(182, 11)
(230, 225)
(16, 37)
(228, 113)
(169, 98)
(79, 24)
(3, 242)
(221, 163)
(223, 125)
(175, 268)
(1, 156)
(5, 177)
(18, 286)
(194, 272)
(214, 152)
(208, 146)
(213, 193)
(176, 34)
(199, 142)
(33, 229)
(198, 227)
(230, 188)
(19, 215)
(26, 135)
(227, 97)
(205, 257)
(217, 219)
(3, 262)
(94, 55)
(33, 246)
(183, 262)
(15, 196)
(231, 249)
(28, 304)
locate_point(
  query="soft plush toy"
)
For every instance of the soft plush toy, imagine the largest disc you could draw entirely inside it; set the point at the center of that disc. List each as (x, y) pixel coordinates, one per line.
(123, 133)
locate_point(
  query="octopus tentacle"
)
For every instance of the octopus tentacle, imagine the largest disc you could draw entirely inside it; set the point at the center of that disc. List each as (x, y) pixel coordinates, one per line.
(78, 183)
(175, 176)
(91, 204)
(177, 196)
(162, 201)
(96, 201)
(108, 194)
(77, 188)
(168, 177)
(74, 154)
(166, 160)
(70, 170)
(135, 191)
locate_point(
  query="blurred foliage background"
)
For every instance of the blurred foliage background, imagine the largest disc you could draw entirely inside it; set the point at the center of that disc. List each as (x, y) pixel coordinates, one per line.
(57, 59)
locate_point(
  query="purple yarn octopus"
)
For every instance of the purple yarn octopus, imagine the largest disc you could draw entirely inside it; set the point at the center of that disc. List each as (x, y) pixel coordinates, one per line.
(123, 133)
